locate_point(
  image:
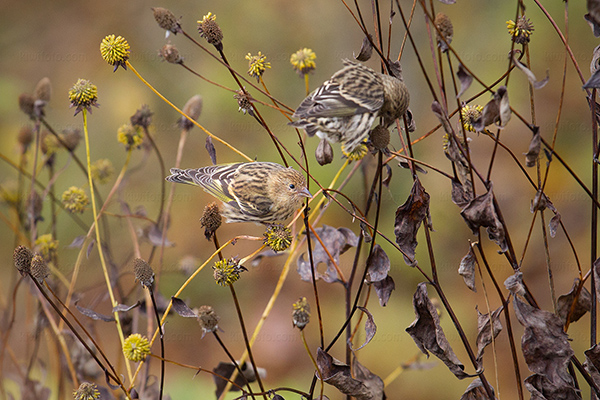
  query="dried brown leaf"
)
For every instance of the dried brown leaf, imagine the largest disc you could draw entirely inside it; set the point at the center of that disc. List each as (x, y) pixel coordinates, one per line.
(535, 145)
(481, 212)
(370, 329)
(583, 303)
(592, 362)
(467, 269)
(530, 75)
(378, 264)
(93, 314)
(225, 369)
(210, 148)
(428, 334)
(475, 391)
(384, 289)
(409, 217)
(442, 116)
(366, 49)
(464, 78)
(486, 326)
(182, 309)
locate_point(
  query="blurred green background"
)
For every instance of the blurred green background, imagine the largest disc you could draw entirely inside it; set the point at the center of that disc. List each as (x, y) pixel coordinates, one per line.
(61, 39)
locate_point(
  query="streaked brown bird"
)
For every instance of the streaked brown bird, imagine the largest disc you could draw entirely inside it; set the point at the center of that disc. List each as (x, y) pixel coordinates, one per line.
(263, 192)
(343, 108)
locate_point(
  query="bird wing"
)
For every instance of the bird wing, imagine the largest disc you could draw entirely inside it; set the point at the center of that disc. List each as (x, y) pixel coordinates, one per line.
(354, 89)
(214, 179)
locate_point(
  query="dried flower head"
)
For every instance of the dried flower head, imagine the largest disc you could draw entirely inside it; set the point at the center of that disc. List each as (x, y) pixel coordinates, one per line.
(87, 391)
(143, 272)
(208, 319)
(170, 54)
(301, 314)
(324, 152)
(357, 153)
(226, 272)
(115, 51)
(193, 109)
(303, 61)
(43, 90)
(130, 136)
(380, 137)
(136, 347)
(102, 170)
(521, 30)
(39, 268)
(83, 95)
(244, 102)
(211, 219)
(142, 117)
(446, 30)
(71, 138)
(49, 144)
(25, 137)
(22, 257)
(210, 30)
(26, 104)
(257, 65)
(46, 246)
(469, 115)
(74, 200)
(278, 237)
(34, 206)
(166, 20)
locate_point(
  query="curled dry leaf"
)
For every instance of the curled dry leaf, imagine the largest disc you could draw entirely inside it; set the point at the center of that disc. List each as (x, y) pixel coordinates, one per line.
(496, 111)
(93, 314)
(514, 284)
(476, 391)
(427, 333)
(535, 145)
(337, 241)
(461, 194)
(210, 148)
(487, 325)
(366, 49)
(580, 303)
(378, 264)
(225, 369)
(182, 309)
(464, 78)
(364, 386)
(481, 212)
(547, 353)
(370, 329)
(530, 75)
(409, 217)
(592, 362)
(467, 269)
(125, 308)
(384, 289)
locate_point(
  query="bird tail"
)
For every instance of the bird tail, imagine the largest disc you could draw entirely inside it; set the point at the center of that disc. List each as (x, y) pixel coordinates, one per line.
(180, 176)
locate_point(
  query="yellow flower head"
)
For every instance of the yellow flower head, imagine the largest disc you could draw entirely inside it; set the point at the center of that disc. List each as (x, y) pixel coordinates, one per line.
(303, 61)
(257, 65)
(136, 347)
(278, 237)
(46, 246)
(74, 200)
(357, 154)
(115, 51)
(130, 136)
(226, 272)
(210, 30)
(87, 391)
(469, 115)
(102, 170)
(83, 95)
(520, 30)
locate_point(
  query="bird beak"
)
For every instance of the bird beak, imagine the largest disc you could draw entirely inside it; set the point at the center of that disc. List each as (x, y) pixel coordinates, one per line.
(305, 193)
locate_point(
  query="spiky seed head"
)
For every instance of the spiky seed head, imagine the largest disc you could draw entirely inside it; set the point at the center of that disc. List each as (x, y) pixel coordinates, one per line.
(226, 272)
(355, 154)
(257, 65)
(193, 109)
(102, 170)
(211, 219)
(469, 115)
(380, 137)
(278, 237)
(39, 268)
(244, 101)
(208, 319)
(71, 138)
(521, 30)
(303, 61)
(87, 391)
(136, 347)
(301, 314)
(143, 272)
(170, 54)
(22, 257)
(324, 152)
(130, 136)
(74, 200)
(446, 30)
(83, 95)
(166, 20)
(210, 30)
(26, 104)
(25, 137)
(142, 116)
(43, 90)
(115, 51)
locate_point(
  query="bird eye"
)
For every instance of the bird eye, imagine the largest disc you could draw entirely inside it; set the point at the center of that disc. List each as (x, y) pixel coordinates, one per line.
(292, 186)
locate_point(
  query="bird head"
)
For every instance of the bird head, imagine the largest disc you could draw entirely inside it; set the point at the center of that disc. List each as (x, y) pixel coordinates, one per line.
(396, 99)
